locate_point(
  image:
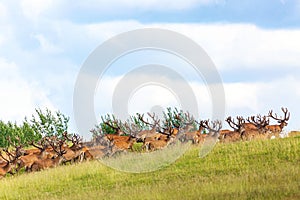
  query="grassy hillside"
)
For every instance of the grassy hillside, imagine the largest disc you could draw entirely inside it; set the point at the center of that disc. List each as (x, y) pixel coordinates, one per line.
(246, 170)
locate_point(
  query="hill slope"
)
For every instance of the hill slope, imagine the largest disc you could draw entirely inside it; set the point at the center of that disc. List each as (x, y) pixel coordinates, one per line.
(246, 170)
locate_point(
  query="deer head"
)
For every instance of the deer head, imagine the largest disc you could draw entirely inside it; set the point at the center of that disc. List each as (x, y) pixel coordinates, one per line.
(282, 120)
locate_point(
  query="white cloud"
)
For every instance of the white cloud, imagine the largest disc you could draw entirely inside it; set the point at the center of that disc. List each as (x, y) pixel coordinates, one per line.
(244, 45)
(231, 46)
(3, 12)
(242, 96)
(18, 97)
(46, 45)
(144, 5)
(32, 9)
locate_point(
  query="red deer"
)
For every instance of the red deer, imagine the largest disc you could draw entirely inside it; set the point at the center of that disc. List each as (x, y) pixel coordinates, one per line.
(277, 129)
(235, 135)
(195, 136)
(246, 125)
(46, 163)
(142, 135)
(9, 164)
(213, 127)
(260, 132)
(76, 152)
(159, 143)
(44, 151)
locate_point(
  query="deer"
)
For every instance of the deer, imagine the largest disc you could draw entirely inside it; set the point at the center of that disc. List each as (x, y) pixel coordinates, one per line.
(277, 129)
(54, 161)
(9, 164)
(160, 138)
(195, 136)
(76, 152)
(123, 143)
(153, 132)
(161, 142)
(235, 135)
(260, 132)
(42, 151)
(187, 134)
(103, 150)
(246, 125)
(213, 128)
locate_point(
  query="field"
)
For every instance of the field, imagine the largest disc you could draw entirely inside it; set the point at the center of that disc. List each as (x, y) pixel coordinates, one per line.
(267, 169)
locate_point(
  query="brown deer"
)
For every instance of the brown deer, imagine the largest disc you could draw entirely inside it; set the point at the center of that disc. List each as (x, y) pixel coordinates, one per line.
(260, 132)
(277, 129)
(125, 143)
(195, 136)
(213, 128)
(76, 152)
(235, 135)
(9, 164)
(100, 151)
(246, 125)
(160, 142)
(42, 151)
(186, 126)
(142, 135)
(46, 163)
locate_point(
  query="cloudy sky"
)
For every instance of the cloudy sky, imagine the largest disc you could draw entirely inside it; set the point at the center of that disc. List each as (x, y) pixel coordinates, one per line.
(255, 46)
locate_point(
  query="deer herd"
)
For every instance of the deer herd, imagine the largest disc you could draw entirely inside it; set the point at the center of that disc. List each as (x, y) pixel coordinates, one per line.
(69, 148)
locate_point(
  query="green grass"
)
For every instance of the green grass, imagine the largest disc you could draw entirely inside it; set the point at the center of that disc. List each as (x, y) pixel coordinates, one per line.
(247, 170)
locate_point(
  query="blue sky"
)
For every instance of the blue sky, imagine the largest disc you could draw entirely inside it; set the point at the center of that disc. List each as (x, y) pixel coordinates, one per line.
(255, 46)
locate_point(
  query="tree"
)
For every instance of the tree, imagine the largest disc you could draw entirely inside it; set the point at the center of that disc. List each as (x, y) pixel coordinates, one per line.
(49, 124)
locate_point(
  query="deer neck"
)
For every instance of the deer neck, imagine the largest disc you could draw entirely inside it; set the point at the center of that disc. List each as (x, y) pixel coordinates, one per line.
(7, 167)
(58, 159)
(200, 129)
(282, 124)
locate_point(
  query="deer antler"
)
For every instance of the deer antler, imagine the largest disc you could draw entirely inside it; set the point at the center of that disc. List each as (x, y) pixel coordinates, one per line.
(286, 114)
(285, 118)
(258, 121)
(42, 144)
(3, 157)
(232, 124)
(57, 146)
(214, 127)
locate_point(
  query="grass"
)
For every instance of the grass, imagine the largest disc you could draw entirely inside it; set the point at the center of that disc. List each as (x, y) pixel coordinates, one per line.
(246, 170)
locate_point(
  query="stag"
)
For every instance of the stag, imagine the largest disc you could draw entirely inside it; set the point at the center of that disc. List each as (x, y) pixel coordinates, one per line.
(43, 150)
(142, 135)
(213, 127)
(195, 136)
(235, 135)
(260, 132)
(9, 164)
(160, 142)
(76, 152)
(46, 163)
(277, 129)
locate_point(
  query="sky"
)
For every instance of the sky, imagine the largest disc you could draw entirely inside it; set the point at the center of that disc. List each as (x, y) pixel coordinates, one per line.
(255, 46)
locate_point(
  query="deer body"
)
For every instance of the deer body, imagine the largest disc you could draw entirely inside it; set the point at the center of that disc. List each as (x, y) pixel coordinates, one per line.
(46, 163)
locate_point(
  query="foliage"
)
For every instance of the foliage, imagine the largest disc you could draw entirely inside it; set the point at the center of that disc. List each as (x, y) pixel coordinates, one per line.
(17, 133)
(44, 124)
(170, 119)
(48, 123)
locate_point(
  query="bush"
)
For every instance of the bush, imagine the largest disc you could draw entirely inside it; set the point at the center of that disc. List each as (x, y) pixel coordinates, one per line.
(44, 124)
